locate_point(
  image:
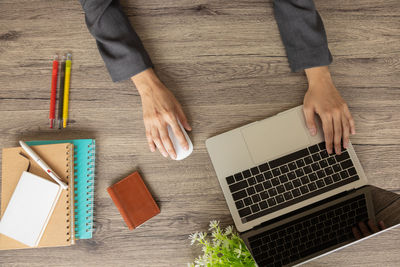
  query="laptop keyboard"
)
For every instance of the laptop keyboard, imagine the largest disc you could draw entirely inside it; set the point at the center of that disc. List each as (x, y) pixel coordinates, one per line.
(288, 180)
(308, 235)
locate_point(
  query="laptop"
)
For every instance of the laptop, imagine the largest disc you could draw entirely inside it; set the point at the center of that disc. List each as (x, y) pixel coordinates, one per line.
(290, 200)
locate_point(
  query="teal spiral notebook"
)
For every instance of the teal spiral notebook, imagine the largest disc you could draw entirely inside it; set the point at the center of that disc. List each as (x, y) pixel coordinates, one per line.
(84, 165)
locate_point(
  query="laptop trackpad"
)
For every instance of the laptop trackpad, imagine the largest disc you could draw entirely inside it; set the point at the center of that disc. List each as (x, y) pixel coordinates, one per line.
(276, 136)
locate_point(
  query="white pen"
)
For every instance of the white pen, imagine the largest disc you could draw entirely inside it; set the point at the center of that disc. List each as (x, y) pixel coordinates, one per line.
(42, 164)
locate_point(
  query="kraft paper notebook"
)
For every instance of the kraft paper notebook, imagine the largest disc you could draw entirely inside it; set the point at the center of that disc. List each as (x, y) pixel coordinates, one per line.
(84, 167)
(59, 157)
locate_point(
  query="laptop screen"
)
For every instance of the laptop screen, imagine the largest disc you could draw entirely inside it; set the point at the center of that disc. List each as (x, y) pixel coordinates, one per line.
(323, 227)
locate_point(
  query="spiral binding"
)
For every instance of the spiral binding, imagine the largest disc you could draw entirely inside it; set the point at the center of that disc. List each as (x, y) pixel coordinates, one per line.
(88, 187)
(68, 147)
(90, 184)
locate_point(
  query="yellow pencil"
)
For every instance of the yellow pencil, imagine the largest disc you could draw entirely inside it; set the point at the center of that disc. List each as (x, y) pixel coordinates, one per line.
(66, 89)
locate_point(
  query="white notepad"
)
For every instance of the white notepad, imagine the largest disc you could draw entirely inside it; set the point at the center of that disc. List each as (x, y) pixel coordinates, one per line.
(30, 209)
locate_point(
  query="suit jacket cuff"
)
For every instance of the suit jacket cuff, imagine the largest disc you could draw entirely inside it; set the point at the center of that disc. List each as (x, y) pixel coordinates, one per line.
(309, 58)
(124, 65)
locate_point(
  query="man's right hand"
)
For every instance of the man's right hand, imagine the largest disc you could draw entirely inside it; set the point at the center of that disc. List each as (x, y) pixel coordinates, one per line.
(160, 108)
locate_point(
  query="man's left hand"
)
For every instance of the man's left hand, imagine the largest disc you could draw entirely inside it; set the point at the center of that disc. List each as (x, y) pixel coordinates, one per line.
(323, 98)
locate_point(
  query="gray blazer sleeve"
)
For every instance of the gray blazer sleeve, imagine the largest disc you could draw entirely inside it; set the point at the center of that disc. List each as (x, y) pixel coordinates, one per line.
(302, 33)
(119, 45)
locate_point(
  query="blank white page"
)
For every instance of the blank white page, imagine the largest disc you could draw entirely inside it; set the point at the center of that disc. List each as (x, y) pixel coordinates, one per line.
(29, 209)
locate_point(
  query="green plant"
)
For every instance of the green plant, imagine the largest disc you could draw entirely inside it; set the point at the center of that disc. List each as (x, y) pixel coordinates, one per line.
(223, 248)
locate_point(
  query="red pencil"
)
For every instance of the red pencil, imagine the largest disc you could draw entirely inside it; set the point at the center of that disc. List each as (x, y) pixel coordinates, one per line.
(53, 91)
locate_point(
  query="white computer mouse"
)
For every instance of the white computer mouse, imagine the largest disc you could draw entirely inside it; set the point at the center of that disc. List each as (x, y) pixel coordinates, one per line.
(180, 152)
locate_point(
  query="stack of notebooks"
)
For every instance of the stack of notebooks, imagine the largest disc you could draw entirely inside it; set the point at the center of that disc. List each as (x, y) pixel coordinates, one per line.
(72, 215)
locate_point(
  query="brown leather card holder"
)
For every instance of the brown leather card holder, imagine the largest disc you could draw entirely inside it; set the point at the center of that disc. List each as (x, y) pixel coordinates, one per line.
(133, 200)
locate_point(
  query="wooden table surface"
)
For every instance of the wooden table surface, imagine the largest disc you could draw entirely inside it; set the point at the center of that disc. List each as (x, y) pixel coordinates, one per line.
(226, 64)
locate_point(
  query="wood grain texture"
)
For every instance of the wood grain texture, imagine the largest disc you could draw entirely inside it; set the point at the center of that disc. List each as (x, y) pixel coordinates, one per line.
(225, 62)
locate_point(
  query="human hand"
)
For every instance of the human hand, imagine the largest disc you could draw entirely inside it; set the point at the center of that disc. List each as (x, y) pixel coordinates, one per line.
(364, 229)
(323, 98)
(160, 109)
